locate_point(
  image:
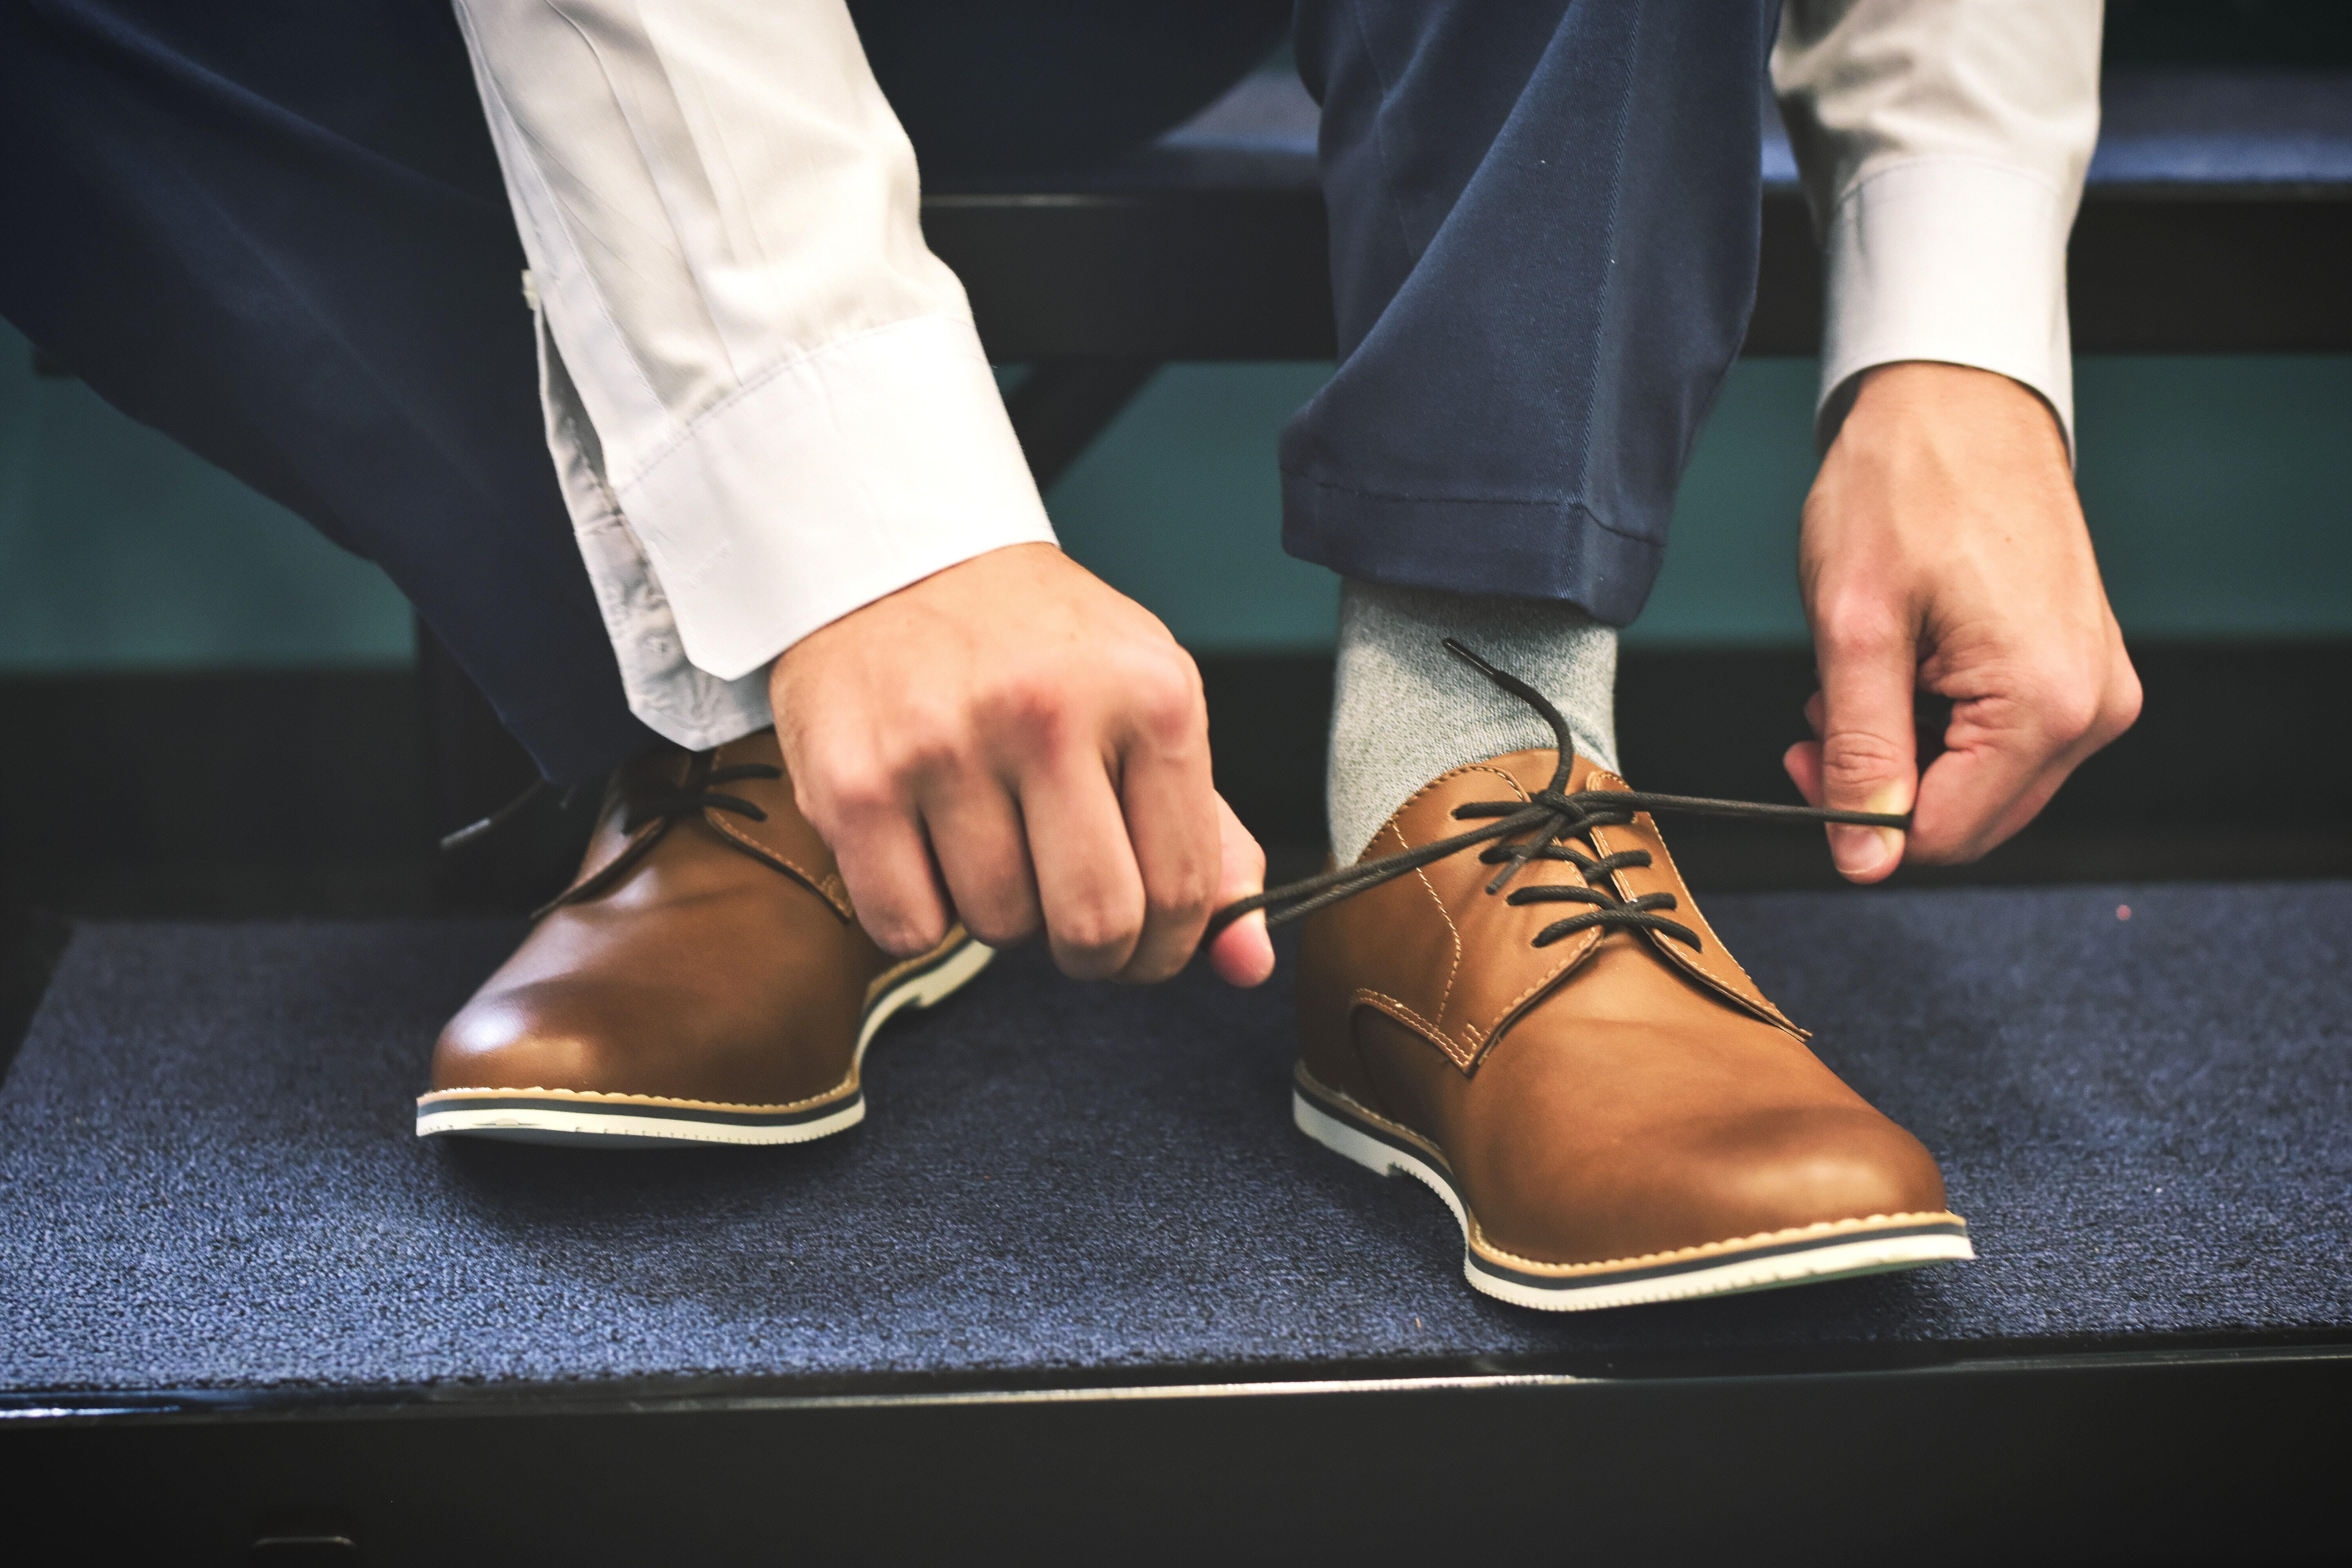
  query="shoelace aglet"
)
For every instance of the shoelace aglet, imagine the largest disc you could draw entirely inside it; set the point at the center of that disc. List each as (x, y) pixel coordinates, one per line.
(497, 819)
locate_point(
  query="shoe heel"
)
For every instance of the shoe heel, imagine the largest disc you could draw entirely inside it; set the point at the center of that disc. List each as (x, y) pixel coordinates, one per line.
(1341, 1138)
(925, 988)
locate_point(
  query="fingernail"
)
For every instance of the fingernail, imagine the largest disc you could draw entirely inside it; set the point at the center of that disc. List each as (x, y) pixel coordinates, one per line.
(1861, 850)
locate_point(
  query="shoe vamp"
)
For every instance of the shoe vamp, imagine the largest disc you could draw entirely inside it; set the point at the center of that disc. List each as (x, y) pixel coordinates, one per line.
(1631, 1113)
(705, 975)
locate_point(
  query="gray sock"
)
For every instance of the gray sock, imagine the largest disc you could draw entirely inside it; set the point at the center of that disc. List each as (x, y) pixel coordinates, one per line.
(1407, 710)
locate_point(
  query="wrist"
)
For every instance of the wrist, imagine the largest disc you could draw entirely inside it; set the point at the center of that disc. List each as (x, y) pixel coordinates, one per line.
(1909, 397)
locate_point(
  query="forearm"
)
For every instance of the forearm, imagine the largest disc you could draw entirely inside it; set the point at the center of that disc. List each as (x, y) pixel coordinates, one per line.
(788, 405)
(1943, 145)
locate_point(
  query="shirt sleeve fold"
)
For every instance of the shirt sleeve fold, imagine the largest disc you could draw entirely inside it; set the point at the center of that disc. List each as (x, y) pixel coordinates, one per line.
(1943, 145)
(774, 387)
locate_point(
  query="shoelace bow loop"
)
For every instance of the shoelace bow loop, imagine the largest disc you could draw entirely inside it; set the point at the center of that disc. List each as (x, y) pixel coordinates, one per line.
(1550, 817)
(662, 809)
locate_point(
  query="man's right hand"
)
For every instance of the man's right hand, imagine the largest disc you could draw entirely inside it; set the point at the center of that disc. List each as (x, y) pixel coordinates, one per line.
(1013, 742)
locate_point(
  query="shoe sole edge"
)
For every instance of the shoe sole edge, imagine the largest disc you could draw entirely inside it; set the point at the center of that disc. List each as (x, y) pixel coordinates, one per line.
(1845, 1255)
(646, 1122)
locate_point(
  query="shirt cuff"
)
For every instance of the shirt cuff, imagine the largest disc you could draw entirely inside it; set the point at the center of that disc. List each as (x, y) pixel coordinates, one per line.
(830, 481)
(1951, 258)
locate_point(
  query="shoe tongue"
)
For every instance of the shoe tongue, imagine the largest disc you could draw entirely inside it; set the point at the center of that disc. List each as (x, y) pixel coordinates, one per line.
(1580, 775)
(1532, 771)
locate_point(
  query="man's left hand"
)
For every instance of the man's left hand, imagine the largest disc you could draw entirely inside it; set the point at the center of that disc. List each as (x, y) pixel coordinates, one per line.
(1944, 550)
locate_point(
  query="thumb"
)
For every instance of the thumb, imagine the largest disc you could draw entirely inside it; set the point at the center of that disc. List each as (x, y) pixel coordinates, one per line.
(1242, 953)
(1865, 757)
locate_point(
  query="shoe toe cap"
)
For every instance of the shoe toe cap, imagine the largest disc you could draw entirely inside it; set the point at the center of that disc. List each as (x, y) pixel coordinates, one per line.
(1779, 1170)
(534, 1037)
(1713, 1180)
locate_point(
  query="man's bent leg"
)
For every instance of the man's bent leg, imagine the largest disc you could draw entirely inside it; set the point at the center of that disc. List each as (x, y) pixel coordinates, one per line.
(1545, 229)
(277, 234)
(1544, 233)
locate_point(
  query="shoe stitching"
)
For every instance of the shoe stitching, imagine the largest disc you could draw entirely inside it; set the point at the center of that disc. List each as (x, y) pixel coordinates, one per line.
(1460, 1056)
(1583, 949)
(589, 873)
(881, 982)
(1453, 973)
(806, 877)
(876, 987)
(1735, 1244)
(664, 1101)
(1477, 1038)
(1446, 777)
(1454, 968)
(1691, 959)
(1343, 1099)
(1567, 962)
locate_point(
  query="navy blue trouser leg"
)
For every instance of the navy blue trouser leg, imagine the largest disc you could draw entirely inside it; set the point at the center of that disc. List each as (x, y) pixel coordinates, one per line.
(276, 231)
(1544, 221)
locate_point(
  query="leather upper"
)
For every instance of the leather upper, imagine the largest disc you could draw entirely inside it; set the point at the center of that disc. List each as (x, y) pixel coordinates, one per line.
(723, 966)
(1611, 1095)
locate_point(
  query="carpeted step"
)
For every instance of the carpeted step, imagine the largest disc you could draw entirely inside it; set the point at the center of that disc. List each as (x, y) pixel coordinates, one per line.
(208, 1180)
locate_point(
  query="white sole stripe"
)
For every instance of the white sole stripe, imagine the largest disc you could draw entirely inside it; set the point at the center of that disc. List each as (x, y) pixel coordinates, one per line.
(527, 1118)
(1763, 1268)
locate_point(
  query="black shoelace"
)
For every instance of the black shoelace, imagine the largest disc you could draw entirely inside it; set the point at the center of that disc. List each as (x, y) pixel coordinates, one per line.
(691, 798)
(695, 795)
(683, 800)
(1547, 819)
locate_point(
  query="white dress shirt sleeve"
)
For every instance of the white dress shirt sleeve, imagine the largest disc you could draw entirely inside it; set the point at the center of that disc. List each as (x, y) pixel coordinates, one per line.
(765, 398)
(1942, 144)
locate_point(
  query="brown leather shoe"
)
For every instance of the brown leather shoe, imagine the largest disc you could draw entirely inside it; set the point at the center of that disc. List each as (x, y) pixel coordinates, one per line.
(702, 981)
(1613, 1110)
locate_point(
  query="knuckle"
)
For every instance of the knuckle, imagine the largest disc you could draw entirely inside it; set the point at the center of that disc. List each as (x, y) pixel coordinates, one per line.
(1859, 757)
(2124, 707)
(1154, 688)
(1847, 631)
(934, 749)
(2071, 711)
(1000, 926)
(1180, 898)
(1167, 692)
(853, 795)
(1098, 930)
(1031, 706)
(903, 933)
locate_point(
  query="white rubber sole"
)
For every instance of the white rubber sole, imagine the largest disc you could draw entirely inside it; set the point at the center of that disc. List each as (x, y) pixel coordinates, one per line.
(647, 1122)
(1769, 1264)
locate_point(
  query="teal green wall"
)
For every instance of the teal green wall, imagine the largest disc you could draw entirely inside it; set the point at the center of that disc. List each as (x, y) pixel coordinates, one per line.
(2220, 489)
(117, 549)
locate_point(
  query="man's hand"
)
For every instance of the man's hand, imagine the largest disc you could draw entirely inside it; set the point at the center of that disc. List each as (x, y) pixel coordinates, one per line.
(1012, 740)
(1944, 550)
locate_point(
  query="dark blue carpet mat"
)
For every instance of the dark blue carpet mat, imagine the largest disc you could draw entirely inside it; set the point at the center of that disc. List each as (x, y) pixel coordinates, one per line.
(208, 1176)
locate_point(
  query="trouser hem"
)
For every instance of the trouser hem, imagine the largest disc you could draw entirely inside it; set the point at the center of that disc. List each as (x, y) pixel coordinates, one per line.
(1528, 550)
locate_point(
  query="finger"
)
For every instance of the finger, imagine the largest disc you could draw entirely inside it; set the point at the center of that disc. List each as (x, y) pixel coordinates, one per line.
(977, 838)
(1242, 954)
(1867, 750)
(1969, 802)
(1803, 760)
(893, 887)
(2004, 757)
(1088, 888)
(1171, 802)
